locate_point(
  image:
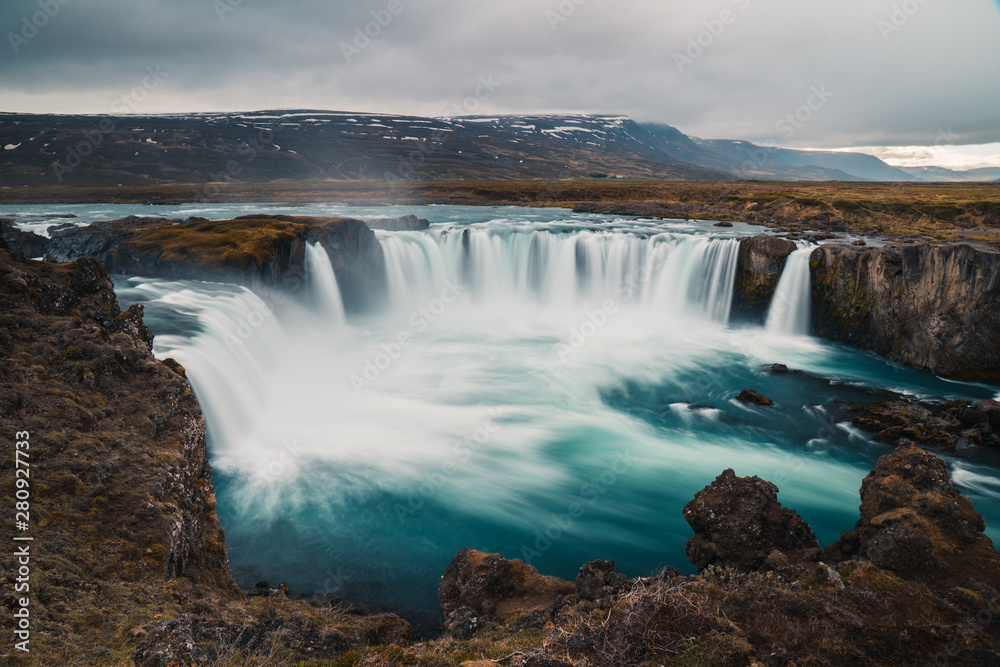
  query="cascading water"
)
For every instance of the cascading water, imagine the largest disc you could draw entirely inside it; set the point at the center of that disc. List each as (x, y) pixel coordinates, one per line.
(683, 275)
(790, 307)
(323, 285)
(522, 371)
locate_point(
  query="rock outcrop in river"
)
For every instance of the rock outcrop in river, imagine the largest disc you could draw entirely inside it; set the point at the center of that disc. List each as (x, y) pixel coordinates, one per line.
(253, 250)
(758, 269)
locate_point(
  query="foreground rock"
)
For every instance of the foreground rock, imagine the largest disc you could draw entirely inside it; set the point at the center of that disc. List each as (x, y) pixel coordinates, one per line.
(915, 524)
(253, 250)
(891, 601)
(496, 587)
(738, 522)
(935, 308)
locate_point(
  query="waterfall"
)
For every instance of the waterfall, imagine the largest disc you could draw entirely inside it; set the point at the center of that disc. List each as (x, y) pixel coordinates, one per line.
(790, 308)
(323, 284)
(683, 275)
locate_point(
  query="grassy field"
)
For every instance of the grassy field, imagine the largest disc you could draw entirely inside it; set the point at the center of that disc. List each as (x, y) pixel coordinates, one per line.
(939, 212)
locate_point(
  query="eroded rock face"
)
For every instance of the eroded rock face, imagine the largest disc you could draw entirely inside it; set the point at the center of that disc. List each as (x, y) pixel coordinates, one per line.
(27, 243)
(915, 524)
(761, 260)
(738, 522)
(935, 308)
(496, 587)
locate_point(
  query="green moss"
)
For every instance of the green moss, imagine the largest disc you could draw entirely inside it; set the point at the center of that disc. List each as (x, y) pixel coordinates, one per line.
(57, 440)
(238, 242)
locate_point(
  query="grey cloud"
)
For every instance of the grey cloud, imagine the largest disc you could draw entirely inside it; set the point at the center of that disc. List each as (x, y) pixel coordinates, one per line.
(939, 70)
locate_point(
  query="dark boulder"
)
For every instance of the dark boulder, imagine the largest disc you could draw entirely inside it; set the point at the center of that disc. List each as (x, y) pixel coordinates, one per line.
(992, 411)
(915, 524)
(754, 397)
(496, 587)
(598, 579)
(738, 522)
(951, 427)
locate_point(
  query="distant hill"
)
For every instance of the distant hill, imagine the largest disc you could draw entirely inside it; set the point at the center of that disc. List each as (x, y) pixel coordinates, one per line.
(982, 175)
(268, 146)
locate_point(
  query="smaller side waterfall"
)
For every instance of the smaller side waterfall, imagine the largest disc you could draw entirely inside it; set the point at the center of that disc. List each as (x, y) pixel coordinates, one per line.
(323, 284)
(790, 307)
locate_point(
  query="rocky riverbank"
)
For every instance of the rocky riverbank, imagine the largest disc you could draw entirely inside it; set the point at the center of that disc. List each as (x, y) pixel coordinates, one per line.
(122, 507)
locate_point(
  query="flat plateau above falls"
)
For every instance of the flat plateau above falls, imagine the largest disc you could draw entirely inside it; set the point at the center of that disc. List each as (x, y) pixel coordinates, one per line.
(905, 211)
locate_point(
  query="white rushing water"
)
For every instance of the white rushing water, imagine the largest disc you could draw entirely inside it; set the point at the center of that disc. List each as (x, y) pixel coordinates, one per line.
(323, 283)
(682, 275)
(789, 313)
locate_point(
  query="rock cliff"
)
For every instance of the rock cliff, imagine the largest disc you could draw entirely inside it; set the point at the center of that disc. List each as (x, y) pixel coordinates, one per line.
(931, 307)
(935, 308)
(758, 269)
(249, 250)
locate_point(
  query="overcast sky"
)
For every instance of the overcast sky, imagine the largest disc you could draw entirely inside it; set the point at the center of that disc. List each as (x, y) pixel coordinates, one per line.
(924, 74)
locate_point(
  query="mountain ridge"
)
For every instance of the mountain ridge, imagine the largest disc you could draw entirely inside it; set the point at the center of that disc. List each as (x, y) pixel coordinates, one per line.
(303, 144)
